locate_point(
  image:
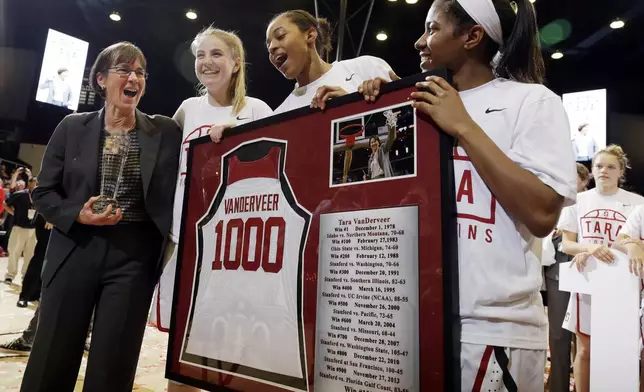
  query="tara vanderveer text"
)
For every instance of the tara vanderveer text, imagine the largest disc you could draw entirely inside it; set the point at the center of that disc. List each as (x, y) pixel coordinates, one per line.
(367, 309)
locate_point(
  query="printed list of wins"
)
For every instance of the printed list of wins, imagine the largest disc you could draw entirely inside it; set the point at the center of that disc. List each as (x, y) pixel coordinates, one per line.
(367, 315)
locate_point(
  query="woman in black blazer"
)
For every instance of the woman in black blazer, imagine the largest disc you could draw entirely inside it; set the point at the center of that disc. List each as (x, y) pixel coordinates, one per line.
(105, 261)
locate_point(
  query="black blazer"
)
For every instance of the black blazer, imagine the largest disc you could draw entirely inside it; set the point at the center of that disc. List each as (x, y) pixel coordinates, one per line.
(68, 178)
(552, 271)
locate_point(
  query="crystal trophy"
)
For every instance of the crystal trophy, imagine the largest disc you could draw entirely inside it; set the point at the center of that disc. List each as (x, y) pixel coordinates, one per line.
(115, 152)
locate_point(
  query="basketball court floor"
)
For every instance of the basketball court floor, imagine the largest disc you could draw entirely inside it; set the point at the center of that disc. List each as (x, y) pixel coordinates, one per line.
(149, 375)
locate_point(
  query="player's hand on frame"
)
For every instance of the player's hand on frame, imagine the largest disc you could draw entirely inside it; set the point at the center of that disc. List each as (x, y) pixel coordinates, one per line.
(636, 261)
(106, 218)
(370, 89)
(442, 102)
(216, 132)
(580, 261)
(324, 93)
(602, 253)
(48, 226)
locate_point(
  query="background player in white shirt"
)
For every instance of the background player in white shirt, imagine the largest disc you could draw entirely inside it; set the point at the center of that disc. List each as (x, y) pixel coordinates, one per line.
(589, 228)
(559, 338)
(514, 171)
(220, 67)
(298, 45)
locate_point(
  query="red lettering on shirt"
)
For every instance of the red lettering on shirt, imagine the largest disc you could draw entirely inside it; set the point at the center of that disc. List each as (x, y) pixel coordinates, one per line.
(602, 225)
(252, 203)
(465, 189)
(481, 208)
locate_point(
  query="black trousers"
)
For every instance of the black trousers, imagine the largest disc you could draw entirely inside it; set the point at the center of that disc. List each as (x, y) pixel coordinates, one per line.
(559, 337)
(31, 282)
(8, 224)
(29, 334)
(113, 274)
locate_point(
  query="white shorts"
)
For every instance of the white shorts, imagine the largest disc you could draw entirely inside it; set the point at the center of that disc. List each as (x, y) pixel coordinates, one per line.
(489, 368)
(162, 302)
(577, 318)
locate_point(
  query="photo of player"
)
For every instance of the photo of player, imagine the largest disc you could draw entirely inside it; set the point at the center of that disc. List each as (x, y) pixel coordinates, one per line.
(587, 115)
(59, 91)
(374, 146)
(584, 144)
(63, 66)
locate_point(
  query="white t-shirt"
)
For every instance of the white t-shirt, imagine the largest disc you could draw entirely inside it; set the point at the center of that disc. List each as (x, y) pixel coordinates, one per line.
(60, 88)
(585, 146)
(499, 275)
(348, 74)
(376, 170)
(199, 116)
(634, 227)
(598, 219)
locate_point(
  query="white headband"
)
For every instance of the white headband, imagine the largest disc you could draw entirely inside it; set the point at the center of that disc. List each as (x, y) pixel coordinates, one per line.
(484, 14)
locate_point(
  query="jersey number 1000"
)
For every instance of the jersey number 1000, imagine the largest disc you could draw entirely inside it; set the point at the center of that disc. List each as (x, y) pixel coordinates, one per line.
(262, 239)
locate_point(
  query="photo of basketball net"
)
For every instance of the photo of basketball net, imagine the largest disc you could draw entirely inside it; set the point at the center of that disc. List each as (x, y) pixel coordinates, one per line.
(373, 146)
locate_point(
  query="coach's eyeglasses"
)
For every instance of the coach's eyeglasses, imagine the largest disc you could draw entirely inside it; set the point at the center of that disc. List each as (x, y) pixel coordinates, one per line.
(125, 72)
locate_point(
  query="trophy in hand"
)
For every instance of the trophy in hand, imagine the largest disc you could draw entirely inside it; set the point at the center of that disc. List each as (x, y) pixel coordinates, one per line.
(115, 152)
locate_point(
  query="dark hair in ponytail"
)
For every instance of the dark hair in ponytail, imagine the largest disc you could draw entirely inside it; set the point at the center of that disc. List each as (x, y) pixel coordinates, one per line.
(521, 58)
(305, 21)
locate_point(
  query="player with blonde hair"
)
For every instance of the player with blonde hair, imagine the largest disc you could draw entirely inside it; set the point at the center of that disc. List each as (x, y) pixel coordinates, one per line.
(589, 229)
(220, 67)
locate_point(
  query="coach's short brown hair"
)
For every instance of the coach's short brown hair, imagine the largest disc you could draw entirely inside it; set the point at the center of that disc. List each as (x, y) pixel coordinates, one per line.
(118, 53)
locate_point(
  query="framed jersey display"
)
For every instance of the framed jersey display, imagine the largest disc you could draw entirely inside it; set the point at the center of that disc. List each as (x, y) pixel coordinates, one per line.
(318, 253)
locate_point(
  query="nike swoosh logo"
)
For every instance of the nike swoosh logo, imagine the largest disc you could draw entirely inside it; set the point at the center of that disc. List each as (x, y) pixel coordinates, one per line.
(242, 118)
(350, 77)
(489, 110)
